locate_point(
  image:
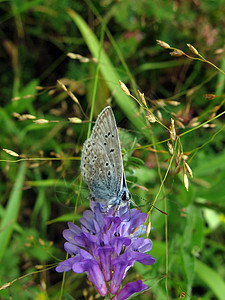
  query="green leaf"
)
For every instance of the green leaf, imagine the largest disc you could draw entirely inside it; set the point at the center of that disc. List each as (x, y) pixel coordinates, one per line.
(12, 210)
(211, 279)
(194, 231)
(215, 163)
(188, 265)
(65, 218)
(108, 71)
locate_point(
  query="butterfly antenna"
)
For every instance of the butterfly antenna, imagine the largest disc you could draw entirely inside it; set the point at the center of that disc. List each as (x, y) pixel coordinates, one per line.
(163, 212)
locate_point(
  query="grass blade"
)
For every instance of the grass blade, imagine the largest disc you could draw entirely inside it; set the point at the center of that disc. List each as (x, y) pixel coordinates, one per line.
(211, 279)
(11, 211)
(108, 71)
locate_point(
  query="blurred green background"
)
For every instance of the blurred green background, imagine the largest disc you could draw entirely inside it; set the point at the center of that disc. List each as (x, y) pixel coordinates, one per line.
(41, 187)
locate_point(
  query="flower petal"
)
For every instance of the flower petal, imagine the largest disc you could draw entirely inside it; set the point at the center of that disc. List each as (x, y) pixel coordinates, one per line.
(67, 264)
(140, 245)
(118, 242)
(120, 266)
(142, 258)
(105, 260)
(69, 235)
(129, 289)
(74, 228)
(95, 274)
(71, 248)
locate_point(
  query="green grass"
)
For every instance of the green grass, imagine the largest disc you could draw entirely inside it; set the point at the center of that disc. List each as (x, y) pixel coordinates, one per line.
(42, 189)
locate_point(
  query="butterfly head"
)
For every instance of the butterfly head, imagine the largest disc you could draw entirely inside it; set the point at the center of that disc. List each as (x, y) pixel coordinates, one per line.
(124, 196)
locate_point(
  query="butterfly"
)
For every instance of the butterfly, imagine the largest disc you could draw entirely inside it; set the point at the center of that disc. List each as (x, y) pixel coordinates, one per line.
(102, 164)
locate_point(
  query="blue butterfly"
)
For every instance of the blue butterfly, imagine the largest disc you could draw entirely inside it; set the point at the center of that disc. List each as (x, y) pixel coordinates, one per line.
(102, 164)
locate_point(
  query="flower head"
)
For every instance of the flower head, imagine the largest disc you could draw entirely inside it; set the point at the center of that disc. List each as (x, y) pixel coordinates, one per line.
(106, 246)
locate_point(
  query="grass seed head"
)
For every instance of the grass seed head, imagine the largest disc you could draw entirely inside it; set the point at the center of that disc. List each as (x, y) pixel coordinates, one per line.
(186, 183)
(142, 97)
(15, 98)
(159, 115)
(28, 96)
(16, 115)
(26, 117)
(39, 88)
(63, 87)
(148, 228)
(41, 242)
(177, 159)
(187, 167)
(79, 57)
(209, 96)
(10, 152)
(170, 148)
(75, 120)
(51, 92)
(173, 103)
(172, 130)
(193, 50)
(177, 52)
(73, 97)
(151, 118)
(163, 44)
(40, 121)
(124, 88)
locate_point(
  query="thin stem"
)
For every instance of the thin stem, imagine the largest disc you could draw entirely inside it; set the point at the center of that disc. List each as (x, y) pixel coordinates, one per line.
(200, 58)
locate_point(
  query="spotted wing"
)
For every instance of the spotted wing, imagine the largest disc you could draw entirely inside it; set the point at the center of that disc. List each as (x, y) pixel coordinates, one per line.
(106, 133)
(98, 172)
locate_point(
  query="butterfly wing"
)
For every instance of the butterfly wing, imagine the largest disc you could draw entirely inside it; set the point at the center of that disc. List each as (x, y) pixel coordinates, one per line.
(98, 172)
(101, 161)
(105, 131)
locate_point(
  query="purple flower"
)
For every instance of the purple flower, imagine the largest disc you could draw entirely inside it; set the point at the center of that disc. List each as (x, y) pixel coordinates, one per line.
(106, 246)
(129, 289)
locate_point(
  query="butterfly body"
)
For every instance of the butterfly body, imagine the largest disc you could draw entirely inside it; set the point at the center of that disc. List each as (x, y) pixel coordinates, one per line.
(102, 165)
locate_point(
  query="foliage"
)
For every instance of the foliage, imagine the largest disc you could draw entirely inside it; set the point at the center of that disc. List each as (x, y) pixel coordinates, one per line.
(41, 187)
